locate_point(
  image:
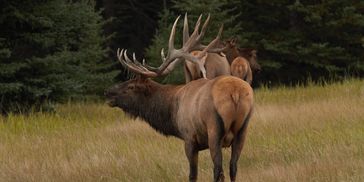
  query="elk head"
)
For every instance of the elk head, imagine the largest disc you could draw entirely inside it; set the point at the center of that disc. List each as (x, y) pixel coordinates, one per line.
(228, 47)
(134, 91)
(251, 55)
(231, 49)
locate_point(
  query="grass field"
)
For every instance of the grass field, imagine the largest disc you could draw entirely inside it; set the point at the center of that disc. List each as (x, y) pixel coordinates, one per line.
(296, 134)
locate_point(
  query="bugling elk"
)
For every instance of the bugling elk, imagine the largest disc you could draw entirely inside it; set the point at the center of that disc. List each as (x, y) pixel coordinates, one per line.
(204, 113)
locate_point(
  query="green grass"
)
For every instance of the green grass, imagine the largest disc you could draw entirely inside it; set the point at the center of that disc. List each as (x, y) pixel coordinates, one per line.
(314, 133)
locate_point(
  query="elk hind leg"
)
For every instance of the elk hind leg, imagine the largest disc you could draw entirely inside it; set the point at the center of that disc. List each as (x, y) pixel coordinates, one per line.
(192, 155)
(215, 145)
(237, 147)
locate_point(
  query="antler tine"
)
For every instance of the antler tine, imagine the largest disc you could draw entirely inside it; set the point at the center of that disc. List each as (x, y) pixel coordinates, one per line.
(198, 23)
(121, 58)
(220, 31)
(189, 43)
(203, 29)
(119, 54)
(194, 43)
(192, 39)
(213, 43)
(126, 58)
(135, 62)
(186, 34)
(134, 58)
(131, 63)
(163, 55)
(171, 54)
(135, 66)
(171, 37)
(149, 68)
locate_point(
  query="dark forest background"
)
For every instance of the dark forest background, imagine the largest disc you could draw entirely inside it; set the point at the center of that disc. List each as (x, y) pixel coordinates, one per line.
(56, 50)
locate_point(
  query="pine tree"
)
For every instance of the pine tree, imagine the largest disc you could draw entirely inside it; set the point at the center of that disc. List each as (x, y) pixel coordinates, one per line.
(297, 40)
(50, 51)
(131, 25)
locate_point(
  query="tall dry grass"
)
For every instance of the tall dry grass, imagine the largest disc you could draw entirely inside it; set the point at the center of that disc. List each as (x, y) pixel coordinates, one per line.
(296, 134)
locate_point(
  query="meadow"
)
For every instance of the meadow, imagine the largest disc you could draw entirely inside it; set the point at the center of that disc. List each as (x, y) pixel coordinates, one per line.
(311, 133)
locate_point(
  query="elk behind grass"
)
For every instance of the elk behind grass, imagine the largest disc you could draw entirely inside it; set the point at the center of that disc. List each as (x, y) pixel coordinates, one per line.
(203, 113)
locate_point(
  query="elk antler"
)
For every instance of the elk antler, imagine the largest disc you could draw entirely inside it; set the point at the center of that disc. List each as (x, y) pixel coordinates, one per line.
(134, 65)
(198, 45)
(174, 55)
(190, 43)
(212, 44)
(196, 36)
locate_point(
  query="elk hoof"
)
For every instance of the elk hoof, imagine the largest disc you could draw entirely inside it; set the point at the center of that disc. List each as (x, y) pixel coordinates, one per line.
(221, 178)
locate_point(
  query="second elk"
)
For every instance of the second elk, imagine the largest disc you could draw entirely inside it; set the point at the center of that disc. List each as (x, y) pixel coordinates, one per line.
(243, 61)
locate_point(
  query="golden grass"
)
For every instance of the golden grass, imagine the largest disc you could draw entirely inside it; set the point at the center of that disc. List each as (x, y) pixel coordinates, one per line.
(296, 134)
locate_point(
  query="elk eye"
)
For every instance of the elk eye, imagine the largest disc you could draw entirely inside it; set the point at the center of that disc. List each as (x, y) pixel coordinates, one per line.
(131, 87)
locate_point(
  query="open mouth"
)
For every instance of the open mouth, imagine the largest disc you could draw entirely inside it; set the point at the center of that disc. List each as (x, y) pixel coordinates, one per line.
(111, 101)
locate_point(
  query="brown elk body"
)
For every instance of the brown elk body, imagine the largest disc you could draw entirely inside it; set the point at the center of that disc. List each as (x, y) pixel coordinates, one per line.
(240, 68)
(203, 113)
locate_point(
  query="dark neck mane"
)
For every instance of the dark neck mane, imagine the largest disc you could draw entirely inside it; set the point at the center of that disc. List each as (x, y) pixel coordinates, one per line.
(157, 110)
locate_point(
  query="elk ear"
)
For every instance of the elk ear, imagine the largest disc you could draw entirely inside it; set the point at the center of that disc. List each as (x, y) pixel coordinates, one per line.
(254, 52)
(234, 41)
(228, 41)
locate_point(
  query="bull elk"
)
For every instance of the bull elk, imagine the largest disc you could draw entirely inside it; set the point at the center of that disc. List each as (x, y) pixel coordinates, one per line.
(205, 114)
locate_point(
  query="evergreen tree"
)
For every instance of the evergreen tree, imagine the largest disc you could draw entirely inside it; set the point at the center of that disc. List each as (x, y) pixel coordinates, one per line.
(301, 39)
(50, 51)
(131, 25)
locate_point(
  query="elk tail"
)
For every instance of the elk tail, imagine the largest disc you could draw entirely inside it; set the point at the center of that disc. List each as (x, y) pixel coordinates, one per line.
(236, 97)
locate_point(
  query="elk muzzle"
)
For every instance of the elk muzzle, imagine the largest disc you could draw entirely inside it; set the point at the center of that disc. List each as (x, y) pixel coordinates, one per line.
(110, 97)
